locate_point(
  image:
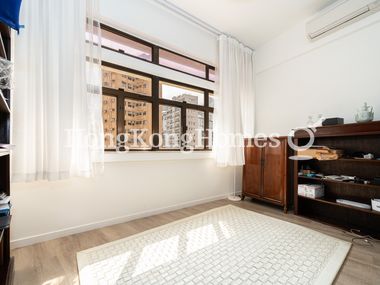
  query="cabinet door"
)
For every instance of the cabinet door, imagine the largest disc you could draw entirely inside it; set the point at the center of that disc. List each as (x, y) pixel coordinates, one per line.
(274, 176)
(252, 175)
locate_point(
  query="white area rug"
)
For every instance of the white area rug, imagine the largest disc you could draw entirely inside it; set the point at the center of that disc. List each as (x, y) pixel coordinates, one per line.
(226, 245)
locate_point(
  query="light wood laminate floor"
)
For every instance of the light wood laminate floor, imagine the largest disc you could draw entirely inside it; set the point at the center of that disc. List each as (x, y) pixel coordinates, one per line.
(54, 262)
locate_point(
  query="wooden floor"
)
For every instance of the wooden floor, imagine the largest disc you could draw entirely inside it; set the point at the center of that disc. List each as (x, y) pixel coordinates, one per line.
(54, 262)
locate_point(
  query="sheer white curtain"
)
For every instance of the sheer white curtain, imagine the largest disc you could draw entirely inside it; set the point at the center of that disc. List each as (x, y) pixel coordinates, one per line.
(234, 109)
(57, 117)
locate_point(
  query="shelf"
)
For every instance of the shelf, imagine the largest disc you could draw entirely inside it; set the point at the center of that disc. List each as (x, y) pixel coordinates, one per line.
(3, 53)
(5, 30)
(5, 222)
(346, 130)
(4, 152)
(320, 180)
(4, 105)
(352, 160)
(332, 202)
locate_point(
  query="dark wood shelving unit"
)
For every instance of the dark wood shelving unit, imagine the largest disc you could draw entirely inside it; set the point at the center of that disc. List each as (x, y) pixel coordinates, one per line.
(353, 160)
(6, 261)
(351, 138)
(322, 181)
(335, 204)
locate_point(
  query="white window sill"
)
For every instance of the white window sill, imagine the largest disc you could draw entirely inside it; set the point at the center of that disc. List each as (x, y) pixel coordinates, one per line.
(155, 156)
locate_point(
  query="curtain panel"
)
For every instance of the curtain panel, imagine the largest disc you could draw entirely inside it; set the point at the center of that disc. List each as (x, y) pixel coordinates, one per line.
(234, 106)
(57, 116)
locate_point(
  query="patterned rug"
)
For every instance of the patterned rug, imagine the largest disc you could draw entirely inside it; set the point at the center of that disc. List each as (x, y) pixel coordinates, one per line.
(226, 245)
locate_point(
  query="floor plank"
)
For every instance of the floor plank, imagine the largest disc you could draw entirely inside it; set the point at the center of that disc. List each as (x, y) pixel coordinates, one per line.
(54, 262)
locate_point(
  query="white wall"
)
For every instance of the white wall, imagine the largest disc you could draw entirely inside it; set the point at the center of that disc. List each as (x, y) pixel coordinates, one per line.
(130, 189)
(126, 191)
(147, 19)
(332, 76)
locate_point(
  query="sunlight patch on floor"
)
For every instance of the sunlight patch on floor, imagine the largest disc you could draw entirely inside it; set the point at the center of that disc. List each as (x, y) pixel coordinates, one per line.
(55, 281)
(156, 254)
(200, 238)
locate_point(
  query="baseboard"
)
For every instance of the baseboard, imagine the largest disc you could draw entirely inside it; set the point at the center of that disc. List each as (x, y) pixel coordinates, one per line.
(91, 226)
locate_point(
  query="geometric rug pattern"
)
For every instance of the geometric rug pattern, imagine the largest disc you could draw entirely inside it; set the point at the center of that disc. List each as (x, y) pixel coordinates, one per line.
(226, 245)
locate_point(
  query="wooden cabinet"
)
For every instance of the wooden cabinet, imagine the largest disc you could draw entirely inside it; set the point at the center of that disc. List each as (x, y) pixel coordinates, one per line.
(265, 171)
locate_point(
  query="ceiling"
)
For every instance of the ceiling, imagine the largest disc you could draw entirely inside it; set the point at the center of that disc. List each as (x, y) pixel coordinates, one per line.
(253, 22)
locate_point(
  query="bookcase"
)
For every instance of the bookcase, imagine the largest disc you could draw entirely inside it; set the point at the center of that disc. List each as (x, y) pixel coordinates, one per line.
(6, 262)
(352, 139)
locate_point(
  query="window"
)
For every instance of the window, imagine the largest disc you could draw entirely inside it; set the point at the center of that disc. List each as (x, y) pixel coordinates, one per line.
(195, 126)
(126, 81)
(110, 121)
(212, 74)
(137, 124)
(211, 100)
(170, 127)
(179, 62)
(210, 133)
(114, 41)
(180, 93)
(142, 111)
(129, 45)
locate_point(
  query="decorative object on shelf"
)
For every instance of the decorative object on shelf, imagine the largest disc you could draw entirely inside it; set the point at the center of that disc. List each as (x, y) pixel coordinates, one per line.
(353, 204)
(375, 205)
(333, 122)
(376, 181)
(321, 153)
(310, 121)
(10, 12)
(342, 178)
(317, 123)
(313, 191)
(5, 73)
(363, 155)
(364, 114)
(368, 156)
(307, 172)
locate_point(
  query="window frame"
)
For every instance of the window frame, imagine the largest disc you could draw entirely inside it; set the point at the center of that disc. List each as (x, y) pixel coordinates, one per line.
(155, 51)
(156, 101)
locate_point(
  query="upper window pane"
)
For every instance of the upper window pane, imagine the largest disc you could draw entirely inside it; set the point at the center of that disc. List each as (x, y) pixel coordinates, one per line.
(126, 81)
(212, 74)
(181, 63)
(128, 46)
(181, 94)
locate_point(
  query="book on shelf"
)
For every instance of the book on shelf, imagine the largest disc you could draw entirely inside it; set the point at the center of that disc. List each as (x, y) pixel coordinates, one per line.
(4, 146)
(5, 209)
(5, 221)
(4, 199)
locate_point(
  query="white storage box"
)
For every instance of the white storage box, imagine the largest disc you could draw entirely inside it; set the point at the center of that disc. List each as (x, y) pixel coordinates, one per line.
(311, 190)
(376, 205)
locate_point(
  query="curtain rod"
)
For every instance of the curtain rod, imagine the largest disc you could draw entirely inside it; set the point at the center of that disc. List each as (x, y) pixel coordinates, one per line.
(189, 17)
(172, 7)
